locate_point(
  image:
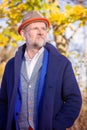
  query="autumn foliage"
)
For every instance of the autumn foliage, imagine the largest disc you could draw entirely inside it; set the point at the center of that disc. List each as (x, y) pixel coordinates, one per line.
(11, 13)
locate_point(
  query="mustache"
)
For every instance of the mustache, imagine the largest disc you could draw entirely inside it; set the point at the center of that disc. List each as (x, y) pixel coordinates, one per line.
(40, 36)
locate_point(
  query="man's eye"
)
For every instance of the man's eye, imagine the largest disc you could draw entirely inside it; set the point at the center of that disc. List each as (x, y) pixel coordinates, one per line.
(35, 28)
(44, 29)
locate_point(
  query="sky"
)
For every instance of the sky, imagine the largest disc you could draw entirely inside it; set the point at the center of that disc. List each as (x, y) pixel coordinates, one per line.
(0, 1)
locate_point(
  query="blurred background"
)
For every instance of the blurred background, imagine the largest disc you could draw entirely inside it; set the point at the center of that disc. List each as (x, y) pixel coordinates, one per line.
(68, 33)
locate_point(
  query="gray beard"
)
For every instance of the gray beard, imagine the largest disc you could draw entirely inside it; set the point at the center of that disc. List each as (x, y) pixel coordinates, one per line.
(35, 45)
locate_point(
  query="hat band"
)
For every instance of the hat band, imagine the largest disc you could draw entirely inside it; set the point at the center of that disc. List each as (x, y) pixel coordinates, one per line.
(33, 20)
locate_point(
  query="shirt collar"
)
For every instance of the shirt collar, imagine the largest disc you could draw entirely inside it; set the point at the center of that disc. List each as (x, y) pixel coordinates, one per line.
(36, 55)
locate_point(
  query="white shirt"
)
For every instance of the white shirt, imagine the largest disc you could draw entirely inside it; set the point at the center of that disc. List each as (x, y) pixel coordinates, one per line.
(30, 63)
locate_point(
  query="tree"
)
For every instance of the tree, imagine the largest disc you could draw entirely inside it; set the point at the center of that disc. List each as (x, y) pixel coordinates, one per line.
(12, 12)
(61, 20)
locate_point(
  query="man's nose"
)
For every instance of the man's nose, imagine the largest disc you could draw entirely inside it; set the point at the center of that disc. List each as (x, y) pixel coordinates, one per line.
(40, 32)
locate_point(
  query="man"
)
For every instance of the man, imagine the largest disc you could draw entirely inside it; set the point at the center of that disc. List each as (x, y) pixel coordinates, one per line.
(39, 90)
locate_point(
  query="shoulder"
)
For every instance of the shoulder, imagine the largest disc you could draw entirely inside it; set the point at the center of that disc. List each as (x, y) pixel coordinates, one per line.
(9, 66)
(16, 59)
(10, 62)
(56, 54)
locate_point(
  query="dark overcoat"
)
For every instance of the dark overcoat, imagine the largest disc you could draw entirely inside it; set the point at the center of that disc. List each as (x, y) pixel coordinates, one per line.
(61, 101)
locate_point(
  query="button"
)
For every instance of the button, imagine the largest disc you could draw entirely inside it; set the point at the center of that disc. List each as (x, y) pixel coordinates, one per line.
(16, 113)
(29, 86)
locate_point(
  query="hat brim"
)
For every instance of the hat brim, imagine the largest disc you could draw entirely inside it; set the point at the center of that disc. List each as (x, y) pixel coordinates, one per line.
(33, 20)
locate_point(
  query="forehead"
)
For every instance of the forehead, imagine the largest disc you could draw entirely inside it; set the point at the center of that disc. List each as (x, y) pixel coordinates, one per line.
(37, 24)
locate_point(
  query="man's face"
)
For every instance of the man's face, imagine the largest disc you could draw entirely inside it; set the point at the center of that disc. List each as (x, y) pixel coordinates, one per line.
(35, 34)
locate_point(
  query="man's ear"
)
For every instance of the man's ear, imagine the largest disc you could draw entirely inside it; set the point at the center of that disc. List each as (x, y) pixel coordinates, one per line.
(22, 34)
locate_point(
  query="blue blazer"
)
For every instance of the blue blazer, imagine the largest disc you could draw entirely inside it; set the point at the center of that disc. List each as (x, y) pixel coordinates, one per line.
(61, 101)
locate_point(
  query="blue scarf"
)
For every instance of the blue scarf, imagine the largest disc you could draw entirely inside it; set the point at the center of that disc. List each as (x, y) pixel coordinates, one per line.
(39, 94)
(41, 84)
